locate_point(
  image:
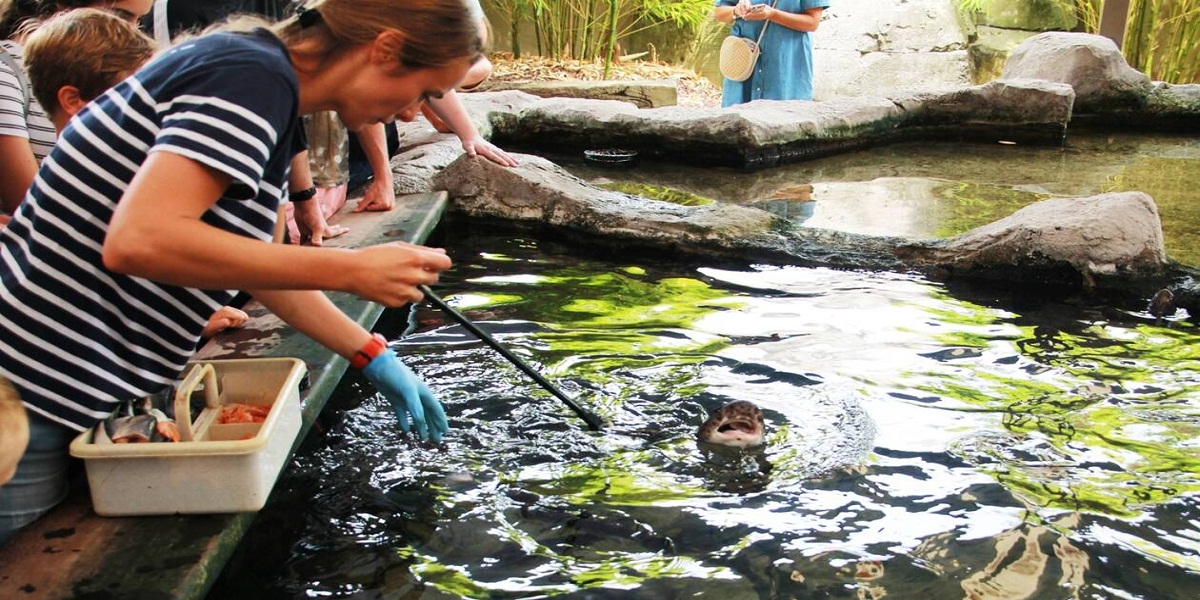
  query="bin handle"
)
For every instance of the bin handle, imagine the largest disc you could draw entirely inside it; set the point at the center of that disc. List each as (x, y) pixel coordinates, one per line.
(183, 400)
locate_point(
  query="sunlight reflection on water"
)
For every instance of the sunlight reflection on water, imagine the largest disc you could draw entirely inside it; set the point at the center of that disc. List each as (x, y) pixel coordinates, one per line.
(932, 190)
(923, 443)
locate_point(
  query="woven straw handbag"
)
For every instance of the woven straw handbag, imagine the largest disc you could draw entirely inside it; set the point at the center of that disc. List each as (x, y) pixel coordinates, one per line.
(739, 55)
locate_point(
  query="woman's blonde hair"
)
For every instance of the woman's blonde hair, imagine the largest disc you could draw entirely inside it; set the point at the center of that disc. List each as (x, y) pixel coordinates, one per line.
(435, 32)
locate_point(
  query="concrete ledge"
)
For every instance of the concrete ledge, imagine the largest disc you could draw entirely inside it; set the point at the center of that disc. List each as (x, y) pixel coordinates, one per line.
(73, 553)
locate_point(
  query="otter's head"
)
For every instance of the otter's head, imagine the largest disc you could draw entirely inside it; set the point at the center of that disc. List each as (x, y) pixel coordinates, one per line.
(738, 424)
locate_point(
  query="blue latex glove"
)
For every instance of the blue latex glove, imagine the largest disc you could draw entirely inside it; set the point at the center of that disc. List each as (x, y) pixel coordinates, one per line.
(410, 397)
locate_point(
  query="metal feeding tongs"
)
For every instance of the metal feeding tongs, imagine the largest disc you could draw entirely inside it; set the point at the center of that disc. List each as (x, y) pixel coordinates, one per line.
(592, 419)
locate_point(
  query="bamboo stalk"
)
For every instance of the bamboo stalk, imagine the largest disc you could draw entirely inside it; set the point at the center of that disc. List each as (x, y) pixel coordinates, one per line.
(612, 36)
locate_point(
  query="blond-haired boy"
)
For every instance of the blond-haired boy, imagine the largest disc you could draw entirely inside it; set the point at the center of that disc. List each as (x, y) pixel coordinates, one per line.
(76, 55)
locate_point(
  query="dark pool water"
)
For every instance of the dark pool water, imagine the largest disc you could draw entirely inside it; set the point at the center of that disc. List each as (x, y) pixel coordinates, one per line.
(925, 442)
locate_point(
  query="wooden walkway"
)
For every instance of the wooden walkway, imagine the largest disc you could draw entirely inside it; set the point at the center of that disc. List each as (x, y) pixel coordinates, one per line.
(72, 552)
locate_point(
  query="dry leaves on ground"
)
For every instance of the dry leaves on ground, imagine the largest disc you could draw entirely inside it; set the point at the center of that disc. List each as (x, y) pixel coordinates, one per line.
(693, 88)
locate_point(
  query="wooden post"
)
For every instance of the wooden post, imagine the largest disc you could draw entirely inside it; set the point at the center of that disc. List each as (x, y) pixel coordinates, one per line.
(1113, 16)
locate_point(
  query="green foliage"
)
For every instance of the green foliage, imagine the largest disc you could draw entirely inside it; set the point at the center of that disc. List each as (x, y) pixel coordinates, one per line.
(982, 5)
(1159, 38)
(686, 14)
(594, 29)
(1089, 13)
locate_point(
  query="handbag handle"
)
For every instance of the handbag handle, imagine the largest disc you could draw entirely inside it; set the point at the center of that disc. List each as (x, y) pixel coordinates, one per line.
(758, 42)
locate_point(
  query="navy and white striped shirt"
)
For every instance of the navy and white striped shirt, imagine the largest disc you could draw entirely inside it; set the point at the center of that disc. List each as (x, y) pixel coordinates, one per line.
(76, 338)
(15, 118)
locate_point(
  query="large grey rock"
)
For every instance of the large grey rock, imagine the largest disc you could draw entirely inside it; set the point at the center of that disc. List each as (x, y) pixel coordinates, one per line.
(1117, 234)
(1167, 107)
(414, 168)
(891, 26)
(1065, 240)
(1011, 103)
(541, 191)
(1091, 64)
(850, 73)
(766, 133)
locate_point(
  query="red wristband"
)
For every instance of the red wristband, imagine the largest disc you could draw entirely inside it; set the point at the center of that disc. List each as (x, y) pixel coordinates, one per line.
(373, 348)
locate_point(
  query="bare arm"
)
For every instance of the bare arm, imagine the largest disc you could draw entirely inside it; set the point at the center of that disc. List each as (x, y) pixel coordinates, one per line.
(449, 107)
(308, 214)
(19, 168)
(381, 195)
(156, 233)
(727, 14)
(805, 21)
(312, 314)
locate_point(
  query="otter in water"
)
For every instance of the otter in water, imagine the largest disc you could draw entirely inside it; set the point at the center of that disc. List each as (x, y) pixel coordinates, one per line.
(1162, 304)
(738, 424)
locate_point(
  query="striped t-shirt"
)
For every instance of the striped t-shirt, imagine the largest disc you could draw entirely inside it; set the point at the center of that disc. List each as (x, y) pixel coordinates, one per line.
(34, 126)
(76, 338)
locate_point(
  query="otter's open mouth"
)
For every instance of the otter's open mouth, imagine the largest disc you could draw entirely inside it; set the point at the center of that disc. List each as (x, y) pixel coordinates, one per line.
(737, 425)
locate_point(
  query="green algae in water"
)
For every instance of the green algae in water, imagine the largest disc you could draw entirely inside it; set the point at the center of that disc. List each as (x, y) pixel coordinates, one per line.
(1173, 183)
(1101, 396)
(578, 306)
(964, 206)
(1051, 407)
(657, 192)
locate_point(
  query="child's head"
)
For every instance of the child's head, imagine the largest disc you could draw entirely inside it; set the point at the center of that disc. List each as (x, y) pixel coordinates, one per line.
(76, 55)
(14, 430)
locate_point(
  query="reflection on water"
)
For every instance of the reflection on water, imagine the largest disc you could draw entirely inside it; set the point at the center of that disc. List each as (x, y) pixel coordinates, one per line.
(923, 443)
(927, 190)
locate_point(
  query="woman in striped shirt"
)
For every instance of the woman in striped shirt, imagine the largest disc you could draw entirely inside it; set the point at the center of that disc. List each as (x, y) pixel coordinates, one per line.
(159, 202)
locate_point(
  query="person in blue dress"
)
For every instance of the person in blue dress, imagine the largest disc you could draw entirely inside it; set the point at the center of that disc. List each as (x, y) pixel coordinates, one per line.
(784, 70)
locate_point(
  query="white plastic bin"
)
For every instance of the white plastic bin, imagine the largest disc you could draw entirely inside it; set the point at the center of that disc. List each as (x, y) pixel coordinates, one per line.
(215, 468)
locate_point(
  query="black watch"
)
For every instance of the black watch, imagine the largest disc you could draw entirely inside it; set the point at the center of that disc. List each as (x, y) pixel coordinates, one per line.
(303, 195)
